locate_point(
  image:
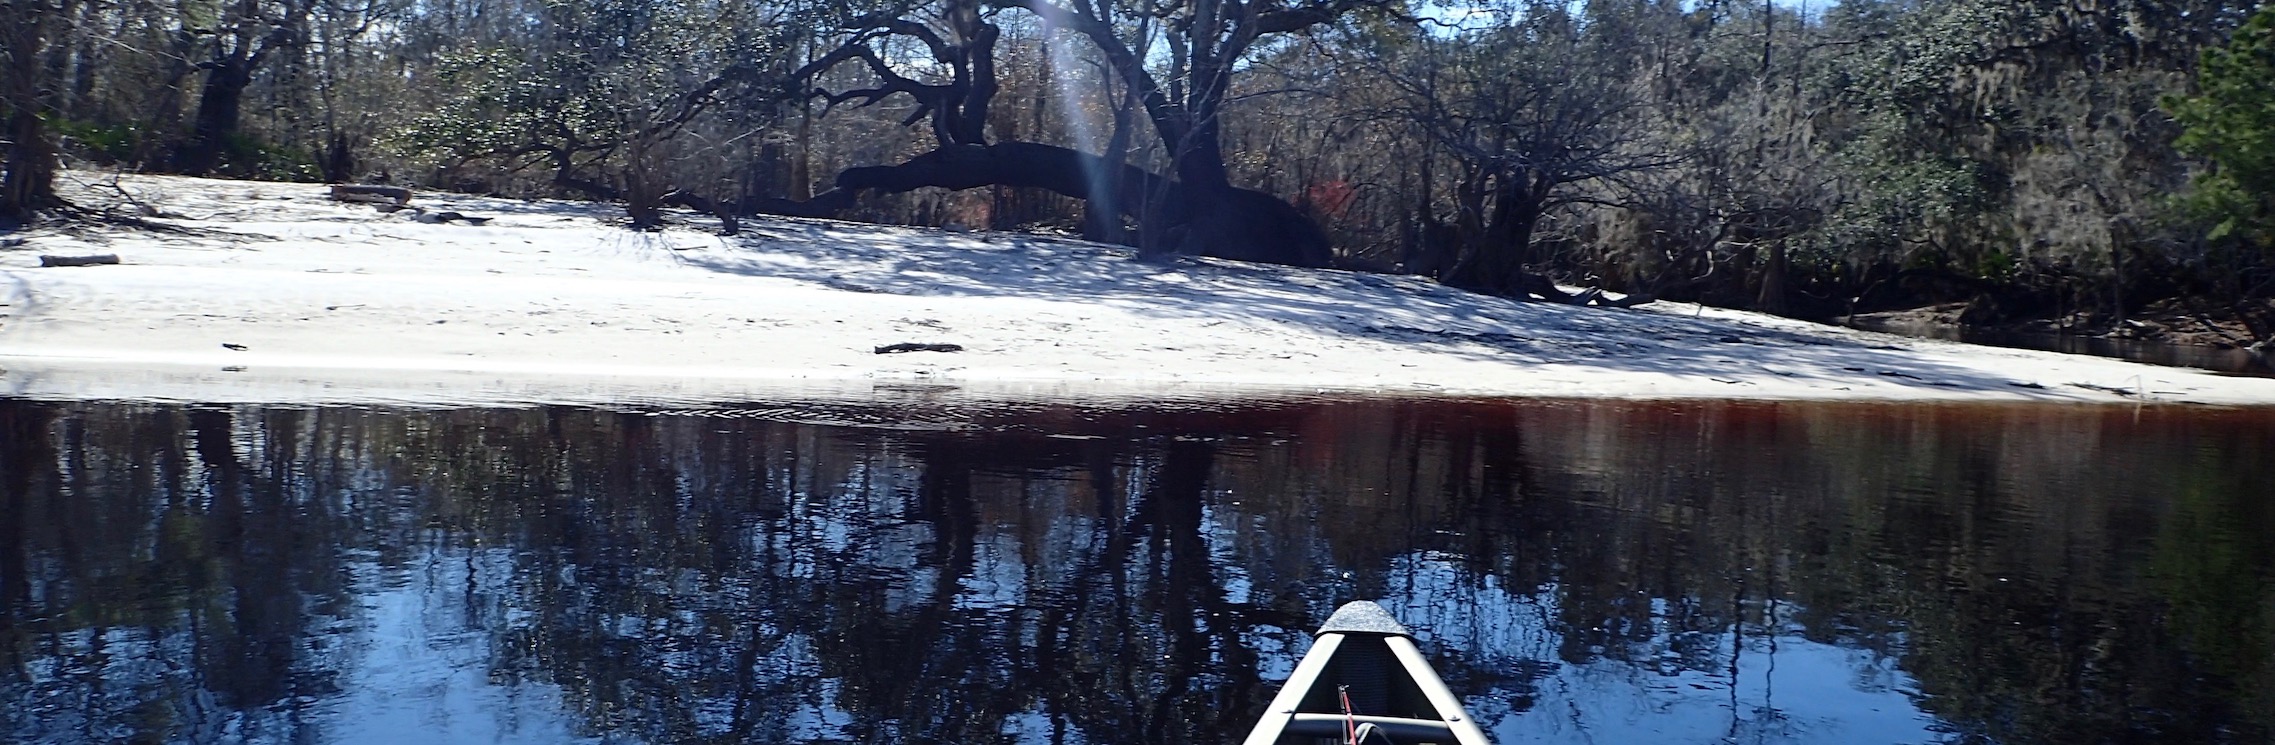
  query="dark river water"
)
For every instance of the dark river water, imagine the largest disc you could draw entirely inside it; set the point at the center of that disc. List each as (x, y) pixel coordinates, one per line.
(1579, 572)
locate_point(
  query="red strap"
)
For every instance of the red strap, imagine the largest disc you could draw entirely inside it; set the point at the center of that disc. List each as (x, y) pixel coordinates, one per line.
(1350, 723)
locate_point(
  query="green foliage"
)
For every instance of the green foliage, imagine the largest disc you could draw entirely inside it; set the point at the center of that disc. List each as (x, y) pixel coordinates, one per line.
(250, 156)
(2231, 123)
(494, 100)
(2008, 141)
(595, 78)
(243, 154)
(1921, 178)
(105, 143)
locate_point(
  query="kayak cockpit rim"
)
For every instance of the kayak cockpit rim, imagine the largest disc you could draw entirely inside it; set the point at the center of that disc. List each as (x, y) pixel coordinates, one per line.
(1366, 657)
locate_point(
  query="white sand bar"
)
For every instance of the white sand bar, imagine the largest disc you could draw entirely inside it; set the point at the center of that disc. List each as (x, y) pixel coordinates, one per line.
(274, 293)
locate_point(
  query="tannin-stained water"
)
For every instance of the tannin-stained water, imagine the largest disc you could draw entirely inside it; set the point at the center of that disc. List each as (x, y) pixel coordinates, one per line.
(1580, 572)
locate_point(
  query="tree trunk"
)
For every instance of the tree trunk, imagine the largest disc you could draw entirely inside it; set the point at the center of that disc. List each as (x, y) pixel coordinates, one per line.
(339, 163)
(1772, 299)
(1496, 248)
(2117, 284)
(1211, 227)
(980, 90)
(28, 188)
(801, 168)
(643, 197)
(219, 106)
(1102, 212)
(1468, 229)
(165, 111)
(1217, 219)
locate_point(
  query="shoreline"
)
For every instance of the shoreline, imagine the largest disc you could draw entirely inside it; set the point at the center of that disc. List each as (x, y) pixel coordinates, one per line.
(273, 293)
(407, 384)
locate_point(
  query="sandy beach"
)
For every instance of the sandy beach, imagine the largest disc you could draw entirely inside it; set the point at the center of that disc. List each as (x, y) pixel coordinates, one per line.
(272, 292)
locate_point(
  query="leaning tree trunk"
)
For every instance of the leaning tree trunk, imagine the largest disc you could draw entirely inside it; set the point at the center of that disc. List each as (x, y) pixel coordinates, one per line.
(1263, 228)
(219, 108)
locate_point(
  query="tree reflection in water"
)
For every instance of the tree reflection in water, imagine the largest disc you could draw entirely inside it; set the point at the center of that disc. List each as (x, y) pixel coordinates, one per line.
(1603, 572)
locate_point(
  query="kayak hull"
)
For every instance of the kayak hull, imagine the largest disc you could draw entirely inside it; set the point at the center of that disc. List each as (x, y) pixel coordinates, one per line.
(1363, 672)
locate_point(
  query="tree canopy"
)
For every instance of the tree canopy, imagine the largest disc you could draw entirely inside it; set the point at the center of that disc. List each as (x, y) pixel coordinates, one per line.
(1805, 158)
(2231, 123)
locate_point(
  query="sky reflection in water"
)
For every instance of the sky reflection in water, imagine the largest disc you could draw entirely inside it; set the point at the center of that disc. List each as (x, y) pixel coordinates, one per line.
(1581, 572)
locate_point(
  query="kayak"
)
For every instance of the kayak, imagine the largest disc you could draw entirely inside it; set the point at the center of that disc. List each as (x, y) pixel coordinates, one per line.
(1365, 682)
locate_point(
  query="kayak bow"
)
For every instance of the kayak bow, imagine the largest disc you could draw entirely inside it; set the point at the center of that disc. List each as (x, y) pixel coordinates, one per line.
(1364, 681)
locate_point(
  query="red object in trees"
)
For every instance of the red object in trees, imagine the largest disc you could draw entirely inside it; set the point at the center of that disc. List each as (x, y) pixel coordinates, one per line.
(1330, 198)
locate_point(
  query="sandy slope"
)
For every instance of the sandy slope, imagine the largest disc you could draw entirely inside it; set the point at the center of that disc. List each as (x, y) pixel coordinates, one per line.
(550, 301)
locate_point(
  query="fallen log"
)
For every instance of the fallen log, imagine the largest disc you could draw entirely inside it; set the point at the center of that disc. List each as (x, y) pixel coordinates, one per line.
(420, 214)
(371, 193)
(78, 260)
(438, 218)
(917, 347)
(1595, 296)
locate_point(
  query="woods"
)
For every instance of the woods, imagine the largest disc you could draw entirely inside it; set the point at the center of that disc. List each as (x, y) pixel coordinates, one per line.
(2086, 162)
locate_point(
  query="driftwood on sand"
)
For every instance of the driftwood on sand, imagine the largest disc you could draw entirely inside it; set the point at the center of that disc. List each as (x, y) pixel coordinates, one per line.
(431, 218)
(94, 260)
(371, 193)
(918, 347)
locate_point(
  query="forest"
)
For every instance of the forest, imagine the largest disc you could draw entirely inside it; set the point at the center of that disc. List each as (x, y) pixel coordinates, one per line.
(2083, 161)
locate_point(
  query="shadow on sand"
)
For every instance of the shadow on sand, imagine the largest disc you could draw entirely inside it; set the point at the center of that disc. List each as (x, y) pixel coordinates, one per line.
(1386, 308)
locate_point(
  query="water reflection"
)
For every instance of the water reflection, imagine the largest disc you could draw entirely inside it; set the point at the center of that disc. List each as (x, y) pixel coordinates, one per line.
(1597, 572)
